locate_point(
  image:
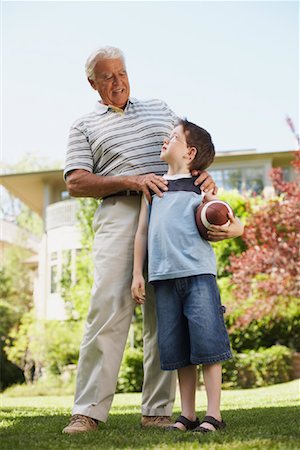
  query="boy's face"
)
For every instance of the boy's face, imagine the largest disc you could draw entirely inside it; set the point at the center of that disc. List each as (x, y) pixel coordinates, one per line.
(175, 148)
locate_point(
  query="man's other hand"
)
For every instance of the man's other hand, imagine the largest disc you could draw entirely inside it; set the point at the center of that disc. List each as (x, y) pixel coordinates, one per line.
(205, 181)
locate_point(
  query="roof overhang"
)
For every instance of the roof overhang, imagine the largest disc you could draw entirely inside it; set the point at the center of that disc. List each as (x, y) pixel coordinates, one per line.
(30, 187)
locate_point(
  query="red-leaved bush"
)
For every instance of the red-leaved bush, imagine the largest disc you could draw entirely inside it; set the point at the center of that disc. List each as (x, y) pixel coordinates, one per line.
(267, 275)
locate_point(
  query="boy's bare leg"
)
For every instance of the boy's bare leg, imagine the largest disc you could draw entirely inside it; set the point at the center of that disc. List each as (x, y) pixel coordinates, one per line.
(187, 377)
(212, 374)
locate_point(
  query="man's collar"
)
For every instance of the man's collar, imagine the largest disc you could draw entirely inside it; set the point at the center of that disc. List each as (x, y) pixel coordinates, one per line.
(100, 108)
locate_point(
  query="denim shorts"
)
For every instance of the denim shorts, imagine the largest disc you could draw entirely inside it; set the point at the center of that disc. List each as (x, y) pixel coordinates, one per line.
(191, 328)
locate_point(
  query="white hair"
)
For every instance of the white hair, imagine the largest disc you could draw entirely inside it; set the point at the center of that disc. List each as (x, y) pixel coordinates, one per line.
(106, 52)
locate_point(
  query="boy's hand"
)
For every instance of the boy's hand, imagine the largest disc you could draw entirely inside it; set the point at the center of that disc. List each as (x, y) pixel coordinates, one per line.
(233, 230)
(138, 289)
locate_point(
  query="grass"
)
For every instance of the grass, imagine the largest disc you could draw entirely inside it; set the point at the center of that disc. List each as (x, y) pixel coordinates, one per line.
(262, 419)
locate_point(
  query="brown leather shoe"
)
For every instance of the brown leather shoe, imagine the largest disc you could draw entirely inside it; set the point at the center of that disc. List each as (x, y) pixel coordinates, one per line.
(156, 421)
(80, 424)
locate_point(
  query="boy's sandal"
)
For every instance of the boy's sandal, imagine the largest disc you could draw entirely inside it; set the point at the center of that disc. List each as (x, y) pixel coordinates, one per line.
(189, 424)
(219, 425)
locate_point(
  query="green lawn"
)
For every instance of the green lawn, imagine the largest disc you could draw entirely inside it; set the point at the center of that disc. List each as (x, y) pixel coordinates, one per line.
(264, 418)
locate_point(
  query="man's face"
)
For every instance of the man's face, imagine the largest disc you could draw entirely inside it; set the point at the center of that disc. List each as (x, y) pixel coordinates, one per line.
(111, 81)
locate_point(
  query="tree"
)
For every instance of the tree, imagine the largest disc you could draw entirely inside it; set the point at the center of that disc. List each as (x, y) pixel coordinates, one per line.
(267, 275)
(77, 295)
(16, 299)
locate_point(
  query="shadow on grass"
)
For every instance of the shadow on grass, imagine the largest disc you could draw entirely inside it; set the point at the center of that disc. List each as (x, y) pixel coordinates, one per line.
(267, 428)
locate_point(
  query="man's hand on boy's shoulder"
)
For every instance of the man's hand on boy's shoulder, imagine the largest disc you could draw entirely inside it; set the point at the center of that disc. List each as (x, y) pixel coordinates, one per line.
(205, 181)
(149, 182)
(233, 230)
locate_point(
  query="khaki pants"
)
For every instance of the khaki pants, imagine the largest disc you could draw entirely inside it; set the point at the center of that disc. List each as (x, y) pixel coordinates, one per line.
(109, 318)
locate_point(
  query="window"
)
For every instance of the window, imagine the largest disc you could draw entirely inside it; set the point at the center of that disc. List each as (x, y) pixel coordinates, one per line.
(286, 172)
(232, 179)
(62, 270)
(217, 176)
(243, 179)
(253, 180)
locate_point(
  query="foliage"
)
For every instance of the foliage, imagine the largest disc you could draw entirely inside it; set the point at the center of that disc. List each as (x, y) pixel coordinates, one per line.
(52, 345)
(267, 275)
(77, 295)
(48, 384)
(85, 217)
(31, 162)
(266, 331)
(15, 286)
(137, 327)
(131, 371)
(17, 346)
(15, 301)
(224, 249)
(29, 220)
(61, 344)
(258, 368)
(13, 210)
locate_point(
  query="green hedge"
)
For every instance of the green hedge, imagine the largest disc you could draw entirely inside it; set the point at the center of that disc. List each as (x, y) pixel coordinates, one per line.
(131, 371)
(245, 370)
(258, 368)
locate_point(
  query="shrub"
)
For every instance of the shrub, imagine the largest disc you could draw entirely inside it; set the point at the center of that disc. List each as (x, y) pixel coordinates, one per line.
(258, 368)
(62, 342)
(267, 275)
(51, 345)
(279, 327)
(224, 249)
(47, 385)
(131, 371)
(15, 301)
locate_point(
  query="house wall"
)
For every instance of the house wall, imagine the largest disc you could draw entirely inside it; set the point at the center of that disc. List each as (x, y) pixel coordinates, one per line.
(61, 240)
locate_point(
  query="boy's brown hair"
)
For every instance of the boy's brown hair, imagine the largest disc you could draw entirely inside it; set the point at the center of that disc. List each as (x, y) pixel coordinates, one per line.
(200, 139)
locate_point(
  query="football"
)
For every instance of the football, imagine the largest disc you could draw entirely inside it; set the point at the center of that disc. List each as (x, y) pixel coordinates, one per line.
(214, 212)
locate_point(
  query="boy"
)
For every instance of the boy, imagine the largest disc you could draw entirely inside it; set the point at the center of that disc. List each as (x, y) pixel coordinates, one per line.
(182, 268)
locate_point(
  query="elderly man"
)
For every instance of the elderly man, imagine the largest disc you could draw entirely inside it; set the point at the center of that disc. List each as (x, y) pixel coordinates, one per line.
(113, 154)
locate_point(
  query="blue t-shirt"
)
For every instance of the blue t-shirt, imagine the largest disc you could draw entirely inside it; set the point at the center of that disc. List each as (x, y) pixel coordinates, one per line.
(175, 247)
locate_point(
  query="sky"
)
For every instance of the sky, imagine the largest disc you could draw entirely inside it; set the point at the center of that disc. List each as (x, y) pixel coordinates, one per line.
(230, 66)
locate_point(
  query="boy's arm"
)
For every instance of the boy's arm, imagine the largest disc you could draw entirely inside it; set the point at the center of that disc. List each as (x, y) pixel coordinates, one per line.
(233, 230)
(219, 232)
(140, 249)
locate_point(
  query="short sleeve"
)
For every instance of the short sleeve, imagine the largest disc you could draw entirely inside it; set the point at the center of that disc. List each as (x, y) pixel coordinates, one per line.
(79, 155)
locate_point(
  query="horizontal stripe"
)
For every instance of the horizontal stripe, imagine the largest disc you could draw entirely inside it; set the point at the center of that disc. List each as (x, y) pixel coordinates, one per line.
(106, 142)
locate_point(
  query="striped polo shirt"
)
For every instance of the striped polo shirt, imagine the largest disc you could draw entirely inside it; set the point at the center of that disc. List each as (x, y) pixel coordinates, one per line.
(111, 142)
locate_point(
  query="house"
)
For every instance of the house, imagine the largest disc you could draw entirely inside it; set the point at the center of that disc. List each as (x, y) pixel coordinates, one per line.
(45, 193)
